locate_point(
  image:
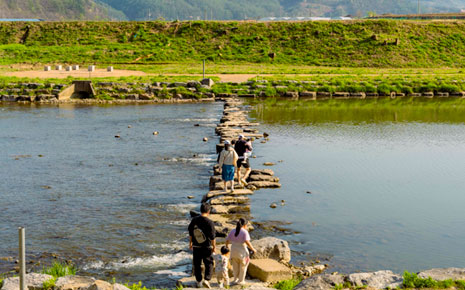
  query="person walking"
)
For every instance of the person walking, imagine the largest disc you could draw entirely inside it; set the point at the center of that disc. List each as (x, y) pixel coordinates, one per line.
(227, 161)
(239, 239)
(241, 148)
(202, 242)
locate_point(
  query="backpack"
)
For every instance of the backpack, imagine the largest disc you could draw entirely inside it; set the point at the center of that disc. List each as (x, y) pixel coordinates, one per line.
(199, 236)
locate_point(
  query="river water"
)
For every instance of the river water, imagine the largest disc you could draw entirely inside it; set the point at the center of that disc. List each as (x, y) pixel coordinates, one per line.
(386, 185)
(117, 207)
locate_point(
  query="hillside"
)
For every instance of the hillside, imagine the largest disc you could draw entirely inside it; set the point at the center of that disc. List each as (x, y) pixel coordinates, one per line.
(370, 43)
(59, 10)
(213, 9)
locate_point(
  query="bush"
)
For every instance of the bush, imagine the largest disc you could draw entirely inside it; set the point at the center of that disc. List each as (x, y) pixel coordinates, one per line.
(49, 284)
(60, 270)
(287, 284)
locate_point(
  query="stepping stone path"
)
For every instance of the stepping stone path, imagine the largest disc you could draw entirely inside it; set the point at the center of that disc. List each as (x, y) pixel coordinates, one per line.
(231, 205)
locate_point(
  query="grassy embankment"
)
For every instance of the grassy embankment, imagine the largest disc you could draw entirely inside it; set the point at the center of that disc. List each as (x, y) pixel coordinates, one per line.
(369, 56)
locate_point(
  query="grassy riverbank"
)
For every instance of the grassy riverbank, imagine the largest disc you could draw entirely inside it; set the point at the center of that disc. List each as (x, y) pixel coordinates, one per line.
(367, 43)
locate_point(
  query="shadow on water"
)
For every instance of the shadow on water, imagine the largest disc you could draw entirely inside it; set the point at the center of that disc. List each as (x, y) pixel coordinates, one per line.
(359, 111)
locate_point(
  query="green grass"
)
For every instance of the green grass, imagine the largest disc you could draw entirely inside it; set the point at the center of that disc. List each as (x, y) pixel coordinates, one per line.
(139, 286)
(59, 270)
(287, 284)
(49, 284)
(321, 43)
(411, 280)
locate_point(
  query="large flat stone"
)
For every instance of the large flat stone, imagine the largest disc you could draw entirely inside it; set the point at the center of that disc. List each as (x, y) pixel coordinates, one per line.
(268, 270)
(229, 200)
(234, 208)
(272, 248)
(236, 192)
(265, 184)
(444, 274)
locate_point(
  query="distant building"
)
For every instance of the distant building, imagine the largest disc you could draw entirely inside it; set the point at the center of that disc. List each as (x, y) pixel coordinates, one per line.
(19, 20)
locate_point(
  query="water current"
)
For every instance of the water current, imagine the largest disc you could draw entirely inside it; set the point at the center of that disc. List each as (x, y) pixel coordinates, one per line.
(386, 185)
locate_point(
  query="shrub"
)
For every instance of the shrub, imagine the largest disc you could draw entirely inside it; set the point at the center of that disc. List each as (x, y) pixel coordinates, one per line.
(287, 284)
(49, 284)
(60, 270)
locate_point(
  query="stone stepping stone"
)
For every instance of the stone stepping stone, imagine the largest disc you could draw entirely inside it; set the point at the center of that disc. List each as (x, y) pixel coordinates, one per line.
(236, 192)
(262, 171)
(268, 270)
(265, 184)
(228, 200)
(263, 177)
(228, 209)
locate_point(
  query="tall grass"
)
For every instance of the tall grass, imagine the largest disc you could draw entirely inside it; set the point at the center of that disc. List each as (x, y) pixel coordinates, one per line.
(60, 270)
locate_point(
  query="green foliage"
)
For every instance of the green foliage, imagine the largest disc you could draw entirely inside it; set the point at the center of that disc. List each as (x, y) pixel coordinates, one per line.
(139, 286)
(330, 44)
(59, 270)
(287, 284)
(49, 284)
(411, 280)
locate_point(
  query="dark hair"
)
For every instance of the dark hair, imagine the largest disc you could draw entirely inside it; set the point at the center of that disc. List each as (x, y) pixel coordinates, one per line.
(226, 146)
(224, 250)
(205, 208)
(233, 142)
(239, 225)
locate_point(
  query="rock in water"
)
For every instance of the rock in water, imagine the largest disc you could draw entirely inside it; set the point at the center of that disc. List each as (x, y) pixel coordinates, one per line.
(205, 139)
(269, 164)
(444, 274)
(273, 205)
(190, 196)
(156, 133)
(117, 136)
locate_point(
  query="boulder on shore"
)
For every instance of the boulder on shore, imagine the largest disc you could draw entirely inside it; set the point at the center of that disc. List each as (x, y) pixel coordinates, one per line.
(272, 248)
(444, 274)
(379, 280)
(74, 282)
(321, 282)
(34, 281)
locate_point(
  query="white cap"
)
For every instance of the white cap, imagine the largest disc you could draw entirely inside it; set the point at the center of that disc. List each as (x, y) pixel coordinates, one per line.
(227, 142)
(241, 136)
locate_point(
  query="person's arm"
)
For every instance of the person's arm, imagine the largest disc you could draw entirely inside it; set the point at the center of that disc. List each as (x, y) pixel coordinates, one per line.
(190, 243)
(249, 245)
(236, 158)
(214, 245)
(221, 159)
(227, 243)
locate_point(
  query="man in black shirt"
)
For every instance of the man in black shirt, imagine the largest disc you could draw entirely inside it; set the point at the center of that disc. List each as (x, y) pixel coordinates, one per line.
(241, 146)
(202, 241)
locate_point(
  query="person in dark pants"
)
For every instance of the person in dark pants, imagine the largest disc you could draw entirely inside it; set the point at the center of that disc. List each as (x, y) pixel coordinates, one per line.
(241, 146)
(202, 241)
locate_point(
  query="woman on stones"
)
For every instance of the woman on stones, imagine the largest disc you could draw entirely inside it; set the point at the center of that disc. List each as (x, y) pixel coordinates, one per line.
(227, 161)
(239, 239)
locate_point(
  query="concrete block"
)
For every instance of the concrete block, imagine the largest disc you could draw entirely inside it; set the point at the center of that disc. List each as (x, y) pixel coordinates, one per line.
(110, 69)
(268, 270)
(69, 68)
(47, 68)
(91, 68)
(75, 67)
(58, 67)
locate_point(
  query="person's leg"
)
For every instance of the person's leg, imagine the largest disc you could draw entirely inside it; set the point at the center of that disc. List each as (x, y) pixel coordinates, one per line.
(197, 257)
(208, 262)
(247, 170)
(239, 164)
(219, 279)
(226, 278)
(225, 185)
(242, 271)
(235, 266)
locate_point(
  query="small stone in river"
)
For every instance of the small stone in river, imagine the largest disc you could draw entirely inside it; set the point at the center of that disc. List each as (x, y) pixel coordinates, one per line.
(117, 136)
(268, 164)
(254, 156)
(40, 155)
(196, 125)
(265, 134)
(273, 205)
(110, 165)
(205, 139)
(283, 201)
(156, 133)
(190, 196)
(309, 192)
(136, 164)
(263, 141)
(129, 126)
(280, 161)
(46, 187)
